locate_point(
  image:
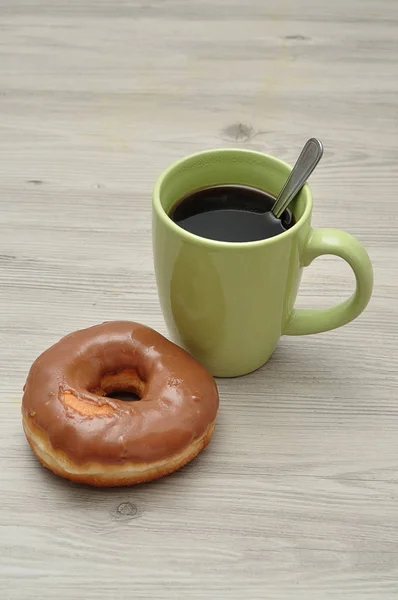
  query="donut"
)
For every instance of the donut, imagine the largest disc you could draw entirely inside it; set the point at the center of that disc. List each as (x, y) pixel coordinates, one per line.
(79, 431)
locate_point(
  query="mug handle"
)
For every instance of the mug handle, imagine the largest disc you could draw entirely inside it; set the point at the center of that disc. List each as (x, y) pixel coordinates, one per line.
(344, 245)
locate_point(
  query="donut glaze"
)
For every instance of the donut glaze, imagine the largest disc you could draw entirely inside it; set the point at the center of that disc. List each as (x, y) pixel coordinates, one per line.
(80, 433)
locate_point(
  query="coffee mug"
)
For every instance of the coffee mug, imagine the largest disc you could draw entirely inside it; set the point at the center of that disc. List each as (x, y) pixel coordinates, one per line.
(228, 303)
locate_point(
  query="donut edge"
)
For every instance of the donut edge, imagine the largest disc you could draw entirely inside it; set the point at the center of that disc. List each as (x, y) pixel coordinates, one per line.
(98, 475)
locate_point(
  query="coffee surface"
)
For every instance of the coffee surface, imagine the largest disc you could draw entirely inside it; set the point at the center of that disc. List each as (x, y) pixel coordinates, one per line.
(230, 213)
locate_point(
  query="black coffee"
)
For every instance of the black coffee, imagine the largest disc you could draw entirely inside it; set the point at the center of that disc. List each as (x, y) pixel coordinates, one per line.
(230, 213)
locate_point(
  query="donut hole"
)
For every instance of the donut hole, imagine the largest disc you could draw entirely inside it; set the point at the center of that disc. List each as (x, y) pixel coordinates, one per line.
(123, 395)
(125, 385)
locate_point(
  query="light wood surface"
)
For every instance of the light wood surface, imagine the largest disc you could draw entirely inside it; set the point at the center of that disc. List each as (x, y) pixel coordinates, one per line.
(297, 496)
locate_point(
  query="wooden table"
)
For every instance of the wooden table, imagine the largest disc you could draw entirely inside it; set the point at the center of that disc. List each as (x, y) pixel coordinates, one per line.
(296, 497)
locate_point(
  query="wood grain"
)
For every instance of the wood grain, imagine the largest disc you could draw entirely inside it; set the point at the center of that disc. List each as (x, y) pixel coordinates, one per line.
(296, 497)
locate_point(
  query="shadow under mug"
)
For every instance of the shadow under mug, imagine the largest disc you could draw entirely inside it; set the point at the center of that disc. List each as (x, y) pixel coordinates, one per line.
(229, 303)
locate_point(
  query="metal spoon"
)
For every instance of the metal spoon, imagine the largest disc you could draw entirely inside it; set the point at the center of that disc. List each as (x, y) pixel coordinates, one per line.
(310, 156)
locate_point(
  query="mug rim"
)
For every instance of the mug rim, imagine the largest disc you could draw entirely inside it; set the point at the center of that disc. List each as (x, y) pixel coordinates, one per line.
(197, 239)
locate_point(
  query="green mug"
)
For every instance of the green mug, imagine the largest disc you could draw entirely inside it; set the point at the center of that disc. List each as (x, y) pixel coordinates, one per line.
(229, 303)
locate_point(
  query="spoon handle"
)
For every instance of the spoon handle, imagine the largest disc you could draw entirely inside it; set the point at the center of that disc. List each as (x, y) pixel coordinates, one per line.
(310, 156)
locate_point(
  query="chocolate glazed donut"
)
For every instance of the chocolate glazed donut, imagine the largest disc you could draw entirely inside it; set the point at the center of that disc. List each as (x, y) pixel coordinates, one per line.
(79, 432)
